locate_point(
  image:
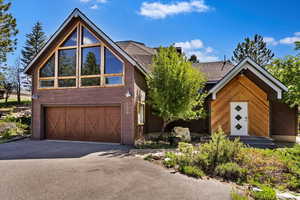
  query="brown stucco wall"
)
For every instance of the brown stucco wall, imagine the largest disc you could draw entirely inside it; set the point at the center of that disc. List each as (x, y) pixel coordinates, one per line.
(103, 96)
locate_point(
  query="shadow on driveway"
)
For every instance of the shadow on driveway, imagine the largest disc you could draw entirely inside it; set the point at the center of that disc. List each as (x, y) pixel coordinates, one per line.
(47, 149)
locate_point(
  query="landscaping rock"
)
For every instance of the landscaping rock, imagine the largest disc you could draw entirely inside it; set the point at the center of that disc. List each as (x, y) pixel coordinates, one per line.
(183, 133)
(287, 196)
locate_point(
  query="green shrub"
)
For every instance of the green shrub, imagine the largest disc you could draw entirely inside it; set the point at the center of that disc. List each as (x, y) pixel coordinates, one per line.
(149, 157)
(170, 159)
(267, 193)
(202, 161)
(231, 171)
(192, 171)
(220, 149)
(236, 196)
(185, 148)
(7, 133)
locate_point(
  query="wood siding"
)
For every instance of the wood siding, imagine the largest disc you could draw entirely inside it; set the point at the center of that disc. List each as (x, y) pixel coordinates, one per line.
(237, 90)
(284, 120)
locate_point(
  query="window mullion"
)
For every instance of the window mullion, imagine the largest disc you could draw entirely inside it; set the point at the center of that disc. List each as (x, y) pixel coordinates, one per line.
(78, 67)
(56, 70)
(102, 65)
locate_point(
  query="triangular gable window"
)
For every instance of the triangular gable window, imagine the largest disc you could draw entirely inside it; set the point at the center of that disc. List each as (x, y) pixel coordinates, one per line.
(71, 40)
(48, 69)
(88, 37)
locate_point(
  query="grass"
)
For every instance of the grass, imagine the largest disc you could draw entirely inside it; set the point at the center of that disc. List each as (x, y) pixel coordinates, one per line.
(12, 101)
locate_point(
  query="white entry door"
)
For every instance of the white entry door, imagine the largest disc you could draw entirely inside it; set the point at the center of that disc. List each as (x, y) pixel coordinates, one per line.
(239, 118)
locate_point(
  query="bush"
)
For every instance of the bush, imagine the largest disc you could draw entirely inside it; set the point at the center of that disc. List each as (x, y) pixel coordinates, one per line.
(23, 119)
(170, 159)
(7, 134)
(192, 171)
(231, 171)
(220, 149)
(266, 193)
(236, 196)
(149, 144)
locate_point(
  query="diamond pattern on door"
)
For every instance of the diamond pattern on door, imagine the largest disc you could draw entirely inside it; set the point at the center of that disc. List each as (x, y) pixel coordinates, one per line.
(238, 126)
(238, 108)
(238, 117)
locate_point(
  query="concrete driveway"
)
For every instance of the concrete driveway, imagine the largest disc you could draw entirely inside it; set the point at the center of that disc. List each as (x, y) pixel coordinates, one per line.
(69, 170)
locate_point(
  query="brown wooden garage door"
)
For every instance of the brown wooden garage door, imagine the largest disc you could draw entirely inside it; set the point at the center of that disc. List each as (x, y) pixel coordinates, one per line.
(83, 123)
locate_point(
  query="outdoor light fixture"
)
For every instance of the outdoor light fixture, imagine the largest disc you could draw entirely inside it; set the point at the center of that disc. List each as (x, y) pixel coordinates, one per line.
(128, 94)
(34, 96)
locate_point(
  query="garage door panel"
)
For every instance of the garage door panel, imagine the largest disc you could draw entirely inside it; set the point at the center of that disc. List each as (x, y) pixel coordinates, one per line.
(74, 123)
(94, 123)
(55, 122)
(83, 123)
(112, 121)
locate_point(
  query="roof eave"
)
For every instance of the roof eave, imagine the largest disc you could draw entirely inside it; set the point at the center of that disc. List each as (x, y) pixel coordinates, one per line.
(274, 83)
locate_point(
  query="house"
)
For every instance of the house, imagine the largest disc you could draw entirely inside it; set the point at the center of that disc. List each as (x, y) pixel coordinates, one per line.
(87, 87)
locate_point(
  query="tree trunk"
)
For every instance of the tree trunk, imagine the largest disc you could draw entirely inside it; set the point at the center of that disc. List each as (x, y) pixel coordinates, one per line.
(19, 95)
(6, 97)
(164, 125)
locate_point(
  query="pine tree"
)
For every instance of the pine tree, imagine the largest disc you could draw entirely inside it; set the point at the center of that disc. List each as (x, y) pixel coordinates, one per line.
(256, 49)
(297, 45)
(193, 59)
(34, 42)
(8, 30)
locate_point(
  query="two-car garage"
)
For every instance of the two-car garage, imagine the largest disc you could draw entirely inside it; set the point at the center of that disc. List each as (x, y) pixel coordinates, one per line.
(95, 123)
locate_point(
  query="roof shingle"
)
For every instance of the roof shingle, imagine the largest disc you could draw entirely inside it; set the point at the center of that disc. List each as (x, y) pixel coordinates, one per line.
(143, 55)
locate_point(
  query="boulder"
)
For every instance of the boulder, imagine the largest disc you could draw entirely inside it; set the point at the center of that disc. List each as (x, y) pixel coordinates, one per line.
(287, 196)
(182, 133)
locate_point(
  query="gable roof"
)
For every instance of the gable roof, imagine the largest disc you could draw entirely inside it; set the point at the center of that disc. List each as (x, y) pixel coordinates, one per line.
(259, 71)
(75, 14)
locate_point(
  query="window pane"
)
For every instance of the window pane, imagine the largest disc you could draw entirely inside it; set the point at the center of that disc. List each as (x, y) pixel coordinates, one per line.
(71, 40)
(112, 64)
(90, 61)
(114, 80)
(67, 62)
(141, 113)
(90, 81)
(46, 83)
(67, 83)
(87, 37)
(48, 69)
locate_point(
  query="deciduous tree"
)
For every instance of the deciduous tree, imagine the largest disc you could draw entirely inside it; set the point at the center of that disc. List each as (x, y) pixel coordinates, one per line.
(287, 70)
(174, 87)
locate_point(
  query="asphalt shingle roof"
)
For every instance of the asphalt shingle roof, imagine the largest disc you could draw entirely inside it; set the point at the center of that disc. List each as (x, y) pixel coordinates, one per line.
(143, 55)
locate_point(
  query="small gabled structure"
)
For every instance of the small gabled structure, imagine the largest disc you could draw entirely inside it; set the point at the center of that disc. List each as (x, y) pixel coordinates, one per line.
(245, 102)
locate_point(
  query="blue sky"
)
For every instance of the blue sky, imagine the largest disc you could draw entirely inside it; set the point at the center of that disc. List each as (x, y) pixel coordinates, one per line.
(208, 28)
